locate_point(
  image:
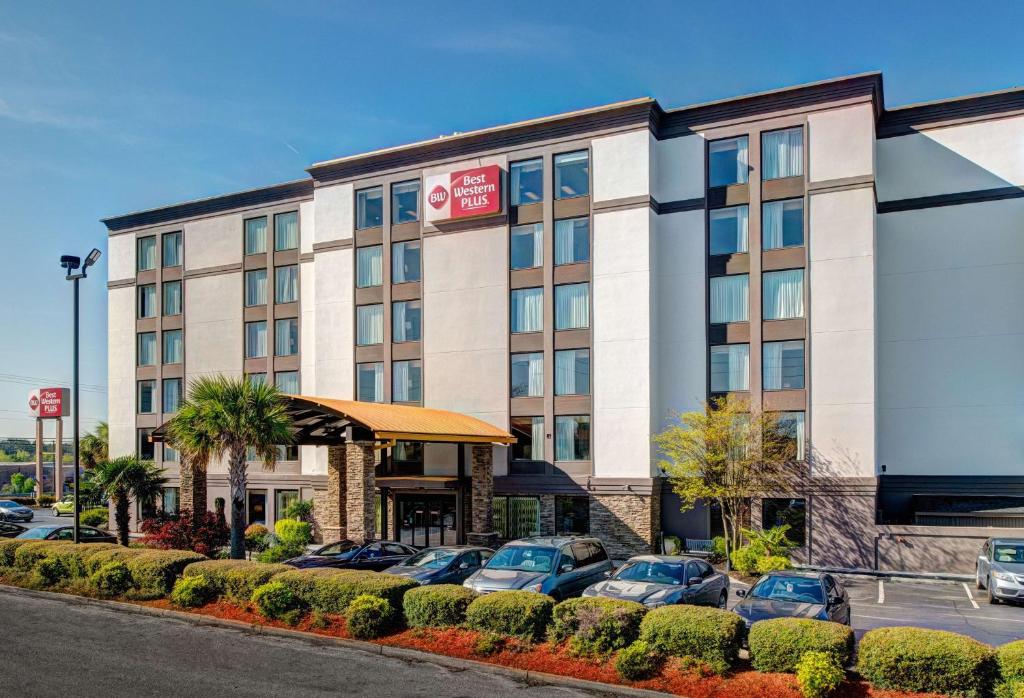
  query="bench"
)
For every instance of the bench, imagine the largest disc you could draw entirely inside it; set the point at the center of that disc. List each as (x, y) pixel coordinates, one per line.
(699, 547)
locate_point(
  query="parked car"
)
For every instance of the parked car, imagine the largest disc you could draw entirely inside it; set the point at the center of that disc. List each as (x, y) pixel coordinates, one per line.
(346, 554)
(560, 566)
(660, 580)
(1000, 569)
(445, 565)
(64, 506)
(794, 595)
(12, 511)
(86, 534)
(10, 530)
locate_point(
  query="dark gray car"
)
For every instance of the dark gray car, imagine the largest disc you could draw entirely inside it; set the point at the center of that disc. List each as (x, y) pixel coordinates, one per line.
(660, 580)
(444, 565)
(12, 511)
(559, 566)
(794, 595)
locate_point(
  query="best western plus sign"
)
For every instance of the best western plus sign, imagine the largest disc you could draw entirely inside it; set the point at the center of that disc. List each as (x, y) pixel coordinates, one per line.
(48, 402)
(463, 194)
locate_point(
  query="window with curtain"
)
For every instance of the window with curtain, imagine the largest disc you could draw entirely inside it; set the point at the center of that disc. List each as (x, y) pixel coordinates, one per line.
(572, 240)
(287, 382)
(285, 498)
(170, 455)
(727, 162)
(370, 382)
(147, 301)
(730, 368)
(527, 373)
(256, 287)
(406, 318)
(730, 298)
(527, 307)
(783, 224)
(174, 348)
(529, 433)
(526, 182)
(145, 443)
(256, 235)
(406, 381)
(527, 246)
(783, 294)
(405, 262)
(147, 397)
(147, 349)
(572, 372)
(783, 364)
(286, 337)
(728, 230)
(369, 208)
(256, 339)
(572, 437)
(169, 500)
(369, 324)
(791, 428)
(287, 452)
(286, 284)
(146, 253)
(407, 452)
(369, 269)
(782, 153)
(405, 202)
(171, 393)
(256, 378)
(572, 175)
(172, 250)
(572, 306)
(286, 231)
(172, 297)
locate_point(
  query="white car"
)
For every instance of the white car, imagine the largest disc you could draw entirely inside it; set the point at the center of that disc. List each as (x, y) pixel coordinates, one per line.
(1000, 569)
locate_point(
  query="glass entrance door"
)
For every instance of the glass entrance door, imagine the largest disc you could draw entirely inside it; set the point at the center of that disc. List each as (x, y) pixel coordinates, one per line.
(426, 520)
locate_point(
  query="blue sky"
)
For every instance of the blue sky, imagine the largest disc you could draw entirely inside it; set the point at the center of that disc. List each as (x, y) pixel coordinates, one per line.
(111, 107)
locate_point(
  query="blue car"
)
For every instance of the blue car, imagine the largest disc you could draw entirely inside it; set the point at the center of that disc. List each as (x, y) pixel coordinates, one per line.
(445, 565)
(559, 566)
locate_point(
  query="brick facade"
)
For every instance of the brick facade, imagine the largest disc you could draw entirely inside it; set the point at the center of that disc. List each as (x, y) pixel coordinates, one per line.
(547, 514)
(360, 493)
(629, 524)
(483, 532)
(329, 505)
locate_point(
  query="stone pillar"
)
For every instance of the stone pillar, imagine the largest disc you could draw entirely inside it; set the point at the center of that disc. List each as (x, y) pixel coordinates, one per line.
(483, 532)
(360, 494)
(629, 524)
(193, 486)
(329, 506)
(58, 461)
(547, 515)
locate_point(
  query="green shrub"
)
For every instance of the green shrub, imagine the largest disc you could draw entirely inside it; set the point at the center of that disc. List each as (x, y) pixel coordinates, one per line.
(637, 662)
(437, 605)
(27, 556)
(52, 570)
(8, 546)
(331, 591)
(256, 537)
(301, 509)
(710, 635)
(192, 592)
(717, 550)
(596, 625)
(1010, 689)
(926, 661)
(488, 644)
(235, 579)
(818, 674)
(1011, 661)
(276, 601)
(368, 617)
(772, 563)
(778, 644)
(45, 500)
(745, 559)
(292, 538)
(523, 614)
(155, 571)
(98, 556)
(99, 518)
(112, 579)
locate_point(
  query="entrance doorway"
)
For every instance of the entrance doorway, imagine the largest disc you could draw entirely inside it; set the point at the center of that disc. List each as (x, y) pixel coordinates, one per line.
(427, 520)
(256, 507)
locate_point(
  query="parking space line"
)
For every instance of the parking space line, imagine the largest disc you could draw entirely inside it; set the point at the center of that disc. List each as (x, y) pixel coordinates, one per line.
(970, 596)
(857, 615)
(881, 592)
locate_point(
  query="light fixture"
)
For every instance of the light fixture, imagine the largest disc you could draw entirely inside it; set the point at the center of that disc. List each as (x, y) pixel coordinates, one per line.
(91, 258)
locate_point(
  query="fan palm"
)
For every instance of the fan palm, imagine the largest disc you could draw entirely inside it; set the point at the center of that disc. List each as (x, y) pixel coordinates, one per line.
(187, 433)
(93, 448)
(125, 478)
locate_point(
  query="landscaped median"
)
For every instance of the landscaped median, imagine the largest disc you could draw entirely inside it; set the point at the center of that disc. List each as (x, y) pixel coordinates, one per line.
(685, 650)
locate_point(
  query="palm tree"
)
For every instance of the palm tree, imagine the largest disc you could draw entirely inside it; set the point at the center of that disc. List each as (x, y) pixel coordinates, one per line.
(228, 416)
(187, 433)
(93, 448)
(125, 478)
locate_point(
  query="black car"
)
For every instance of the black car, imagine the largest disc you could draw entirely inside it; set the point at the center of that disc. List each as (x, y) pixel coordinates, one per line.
(446, 565)
(12, 511)
(373, 555)
(795, 595)
(10, 530)
(86, 534)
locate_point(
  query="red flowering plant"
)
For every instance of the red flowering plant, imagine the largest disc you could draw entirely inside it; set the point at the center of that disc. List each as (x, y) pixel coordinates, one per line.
(204, 533)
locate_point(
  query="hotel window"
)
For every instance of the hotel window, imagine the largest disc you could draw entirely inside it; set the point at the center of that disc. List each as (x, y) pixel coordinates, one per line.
(405, 262)
(784, 365)
(369, 271)
(572, 175)
(727, 162)
(146, 253)
(730, 368)
(170, 455)
(527, 246)
(171, 395)
(527, 310)
(782, 153)
(527, 373)
(405, 202)
(369, 324)
(407, 452)
(786, 512)
(284, 499)
(730, 298)
(169, 500)
(256, 339)
(286, 231)
(783, 294)
(286, 284)
(529, 433)
(406, 381)
(287, 382)
(527, 182)
(147, 301)
(406, 318)
(572, 306)
(572, 240)
(145, 444)
(172, 297)
(147, 397)
(370, 382)
(572, 372)
(783, 224)
(256, 235)
(286, 337)
(728, 230)
(172, 250)
(572, 438)
(173, 347)
(516, 517)
(147, 349)
(286, 452)
(255, 287)
(369, 208)
(791, 428)
(256, 378)
(572, 516)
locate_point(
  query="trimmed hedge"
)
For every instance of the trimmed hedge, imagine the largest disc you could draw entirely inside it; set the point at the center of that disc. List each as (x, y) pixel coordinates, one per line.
(275, 600)
(596, 625)
(709, 635)
(637, 662)
(926, 661)
(99, 556)
(522, 614)
(155, 571)
(437, 605)
(27, 556)
(818, 675)
(331, 591)
(368, 617)
(99, 518)
(8, 546)
(778, 644)
(192, 592)
(1011, 660)
(112, 579)
(236, 580)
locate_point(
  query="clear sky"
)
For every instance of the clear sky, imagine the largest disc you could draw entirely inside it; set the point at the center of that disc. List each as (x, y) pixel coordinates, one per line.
(111, 107)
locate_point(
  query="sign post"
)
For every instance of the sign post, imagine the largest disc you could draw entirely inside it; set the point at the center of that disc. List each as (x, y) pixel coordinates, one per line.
(49, 403)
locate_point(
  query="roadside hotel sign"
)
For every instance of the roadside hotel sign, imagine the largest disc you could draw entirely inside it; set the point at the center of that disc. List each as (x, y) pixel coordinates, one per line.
(49, 403)
(463, 194)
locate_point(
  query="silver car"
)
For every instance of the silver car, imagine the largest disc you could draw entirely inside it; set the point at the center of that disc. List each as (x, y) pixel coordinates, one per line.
(12, 511)
(660, 580)
(1001, 569)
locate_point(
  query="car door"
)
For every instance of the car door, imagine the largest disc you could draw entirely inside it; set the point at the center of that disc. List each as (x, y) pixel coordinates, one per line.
(393, 554)
(984, 556)
(64, 533)
(694, 593)
(586, 562)
(467, 563)
(599, 563)
(711, 584)
(837, 607)
(368, 558)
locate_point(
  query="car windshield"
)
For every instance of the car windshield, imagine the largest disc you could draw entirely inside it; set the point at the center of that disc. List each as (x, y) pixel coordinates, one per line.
(522, 558)
(40, 533)
(789, 589)
(345, 548)
(1009, 553)
(7, 504)
(652, 573)
(431, 559)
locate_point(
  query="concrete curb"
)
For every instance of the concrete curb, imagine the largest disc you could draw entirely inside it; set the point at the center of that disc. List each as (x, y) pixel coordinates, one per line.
(534, 678)
(920, 576)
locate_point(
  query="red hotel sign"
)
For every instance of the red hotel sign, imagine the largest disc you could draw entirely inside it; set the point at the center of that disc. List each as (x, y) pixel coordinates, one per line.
(49, 402)
(463, 194)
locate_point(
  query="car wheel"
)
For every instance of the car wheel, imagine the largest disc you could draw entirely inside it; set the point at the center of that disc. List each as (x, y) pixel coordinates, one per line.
(56, 513)
(723, 599)
(991, 596)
